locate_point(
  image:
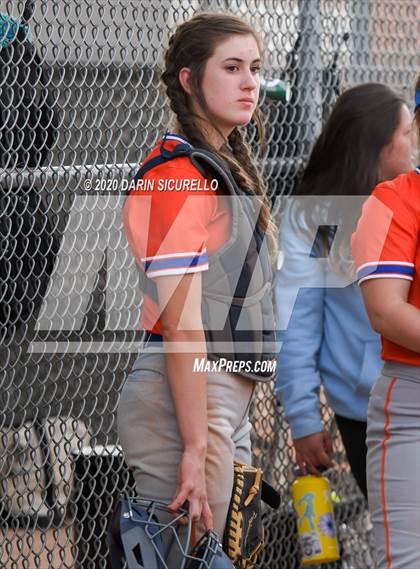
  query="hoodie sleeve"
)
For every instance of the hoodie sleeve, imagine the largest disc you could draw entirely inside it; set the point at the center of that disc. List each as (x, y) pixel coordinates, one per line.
(300, 331)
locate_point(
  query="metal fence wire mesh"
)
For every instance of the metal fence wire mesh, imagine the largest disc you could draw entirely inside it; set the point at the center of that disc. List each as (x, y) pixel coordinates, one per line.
(80, 106)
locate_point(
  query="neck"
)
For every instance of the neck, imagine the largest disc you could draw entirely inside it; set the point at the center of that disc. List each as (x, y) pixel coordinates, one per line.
(216, 137)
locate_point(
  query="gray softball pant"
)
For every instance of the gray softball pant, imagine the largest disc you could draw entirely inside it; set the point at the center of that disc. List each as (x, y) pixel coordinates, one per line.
(149, 435)
(393, 466)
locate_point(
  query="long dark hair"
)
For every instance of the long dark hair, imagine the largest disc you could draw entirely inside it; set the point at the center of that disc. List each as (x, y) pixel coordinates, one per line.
(192, 44)
(345, 159)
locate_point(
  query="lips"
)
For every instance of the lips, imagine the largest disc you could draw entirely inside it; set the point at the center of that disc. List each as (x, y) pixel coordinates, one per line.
(246, 100)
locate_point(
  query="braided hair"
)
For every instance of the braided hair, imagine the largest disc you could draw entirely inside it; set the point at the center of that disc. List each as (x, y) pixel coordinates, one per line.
(191, 46)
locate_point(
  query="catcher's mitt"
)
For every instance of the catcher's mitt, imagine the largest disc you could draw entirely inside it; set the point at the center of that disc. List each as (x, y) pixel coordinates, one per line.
(244, 533)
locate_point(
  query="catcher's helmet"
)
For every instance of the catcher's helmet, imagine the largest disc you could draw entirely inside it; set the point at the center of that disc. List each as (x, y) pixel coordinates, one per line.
(138, 535)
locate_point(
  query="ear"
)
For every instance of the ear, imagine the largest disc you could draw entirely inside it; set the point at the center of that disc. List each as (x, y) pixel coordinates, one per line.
(184, 79)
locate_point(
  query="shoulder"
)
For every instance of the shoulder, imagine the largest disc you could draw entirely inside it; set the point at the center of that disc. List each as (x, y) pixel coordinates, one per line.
(171, 182)
(175, 180)
(292, 225)
(180, 167)
(404, 190)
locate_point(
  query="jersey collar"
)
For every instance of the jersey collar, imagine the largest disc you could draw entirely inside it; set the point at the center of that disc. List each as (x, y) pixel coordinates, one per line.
(172, 136)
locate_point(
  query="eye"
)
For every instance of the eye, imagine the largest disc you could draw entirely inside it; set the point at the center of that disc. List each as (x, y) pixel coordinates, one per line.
(256, 69)
(232, 68)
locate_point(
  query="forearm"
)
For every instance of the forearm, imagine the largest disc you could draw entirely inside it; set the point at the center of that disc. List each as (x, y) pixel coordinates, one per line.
(188, 387)
(400, 323)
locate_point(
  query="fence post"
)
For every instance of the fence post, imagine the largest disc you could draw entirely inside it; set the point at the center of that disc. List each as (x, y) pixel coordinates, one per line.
(310, 69)
(361, 36)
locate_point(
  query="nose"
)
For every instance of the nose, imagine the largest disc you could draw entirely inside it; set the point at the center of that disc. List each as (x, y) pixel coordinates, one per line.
(250, 80)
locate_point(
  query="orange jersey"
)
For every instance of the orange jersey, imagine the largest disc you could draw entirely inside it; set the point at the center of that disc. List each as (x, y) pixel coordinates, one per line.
(386, 244)
(174, 219)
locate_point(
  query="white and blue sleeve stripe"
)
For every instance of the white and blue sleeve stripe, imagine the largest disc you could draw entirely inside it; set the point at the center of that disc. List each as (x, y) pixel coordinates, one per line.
(385, 269)
(176, 263)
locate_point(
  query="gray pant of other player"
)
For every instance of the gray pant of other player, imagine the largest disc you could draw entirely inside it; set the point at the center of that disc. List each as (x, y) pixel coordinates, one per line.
(393, 466)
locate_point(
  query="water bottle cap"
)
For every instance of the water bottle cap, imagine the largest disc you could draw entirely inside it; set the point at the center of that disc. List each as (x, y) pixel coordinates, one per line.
(276, 89)
(298, 472)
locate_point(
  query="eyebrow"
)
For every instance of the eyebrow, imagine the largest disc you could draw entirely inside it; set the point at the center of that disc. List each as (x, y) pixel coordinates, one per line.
(239, 60)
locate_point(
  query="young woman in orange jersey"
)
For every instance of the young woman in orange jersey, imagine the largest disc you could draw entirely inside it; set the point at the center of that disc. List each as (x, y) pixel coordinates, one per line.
(181, 421)
(386, 247)
(329, 341)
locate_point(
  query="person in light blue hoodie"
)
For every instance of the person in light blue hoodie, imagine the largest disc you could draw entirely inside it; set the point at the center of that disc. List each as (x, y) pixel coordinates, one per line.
(323, 329)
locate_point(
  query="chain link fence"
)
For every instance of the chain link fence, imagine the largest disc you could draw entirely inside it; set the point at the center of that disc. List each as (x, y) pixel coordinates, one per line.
(80, 106)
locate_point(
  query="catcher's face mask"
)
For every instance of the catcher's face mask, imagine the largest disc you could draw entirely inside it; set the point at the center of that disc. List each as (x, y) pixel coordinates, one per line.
(139, 537)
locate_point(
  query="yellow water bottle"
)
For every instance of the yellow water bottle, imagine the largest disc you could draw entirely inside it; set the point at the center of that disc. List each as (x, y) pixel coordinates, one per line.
(315, 520)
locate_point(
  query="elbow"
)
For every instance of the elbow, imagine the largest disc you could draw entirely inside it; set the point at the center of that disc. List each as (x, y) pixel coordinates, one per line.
(378, 322)
(375, 322)
(377, 327)
(170, 332)
(187, 333)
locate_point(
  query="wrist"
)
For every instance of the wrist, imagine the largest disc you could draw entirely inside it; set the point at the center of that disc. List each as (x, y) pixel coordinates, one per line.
(198, 449)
